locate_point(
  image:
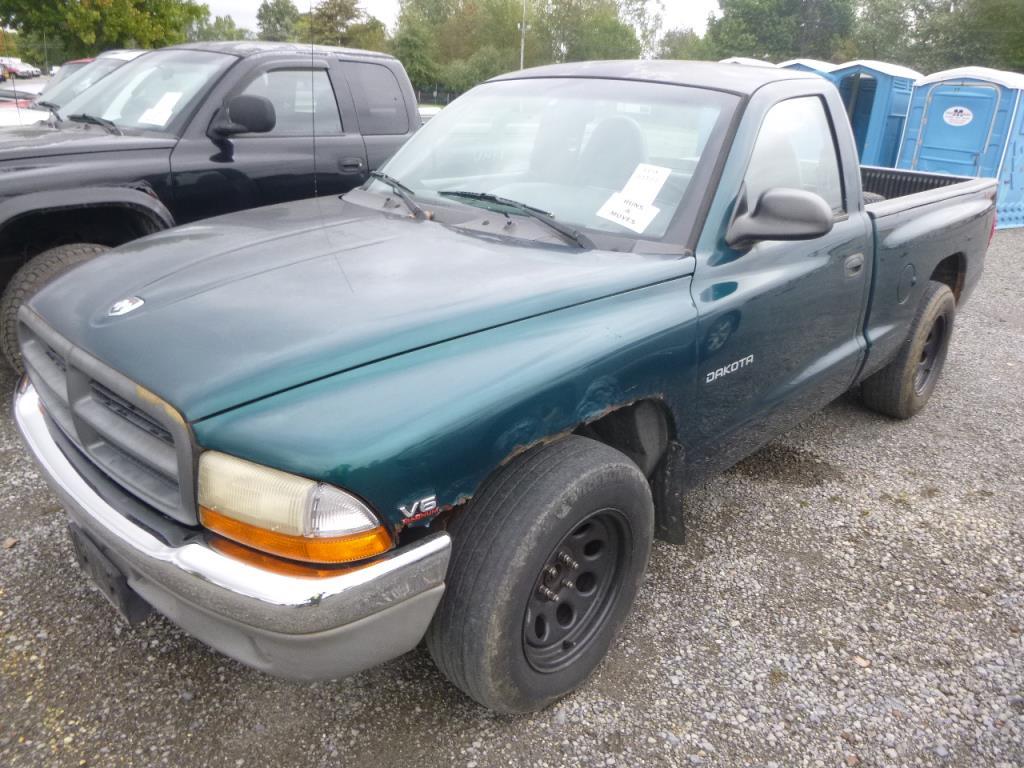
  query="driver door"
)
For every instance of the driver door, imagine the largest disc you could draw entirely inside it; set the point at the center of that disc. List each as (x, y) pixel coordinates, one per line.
(274, 167)
(781, 322)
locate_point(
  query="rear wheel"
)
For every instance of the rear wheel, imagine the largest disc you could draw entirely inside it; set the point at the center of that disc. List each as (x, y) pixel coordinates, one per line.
(41, 269)
(545, 564)
(905, 385)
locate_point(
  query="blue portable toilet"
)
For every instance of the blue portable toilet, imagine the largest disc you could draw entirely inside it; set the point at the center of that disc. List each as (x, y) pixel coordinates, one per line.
(969, 122)
(877, 97)
(817, 66)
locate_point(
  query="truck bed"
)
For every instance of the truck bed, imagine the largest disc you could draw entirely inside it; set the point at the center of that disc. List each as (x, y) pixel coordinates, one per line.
(927, 225)
(893, 182)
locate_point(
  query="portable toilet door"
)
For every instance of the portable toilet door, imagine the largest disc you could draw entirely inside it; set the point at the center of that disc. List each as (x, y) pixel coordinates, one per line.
(877, 98)
(968, 122)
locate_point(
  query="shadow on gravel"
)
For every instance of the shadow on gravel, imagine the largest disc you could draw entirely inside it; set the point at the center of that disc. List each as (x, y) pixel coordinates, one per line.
(792, 466)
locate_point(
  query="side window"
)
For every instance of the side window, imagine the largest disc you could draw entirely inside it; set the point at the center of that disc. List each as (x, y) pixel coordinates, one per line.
(380, 105)
(298, 96)
(795, 149)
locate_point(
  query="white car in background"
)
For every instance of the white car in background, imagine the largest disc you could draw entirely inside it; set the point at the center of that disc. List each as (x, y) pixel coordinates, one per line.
(16, 101)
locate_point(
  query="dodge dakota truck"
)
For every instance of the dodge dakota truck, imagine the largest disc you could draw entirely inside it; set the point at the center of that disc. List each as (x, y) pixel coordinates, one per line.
(185, 133)
(458, 402)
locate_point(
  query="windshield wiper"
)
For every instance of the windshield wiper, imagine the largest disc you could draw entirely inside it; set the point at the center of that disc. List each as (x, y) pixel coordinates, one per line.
(54, 109)
(545, 217)
(110, 125)
(401, 191)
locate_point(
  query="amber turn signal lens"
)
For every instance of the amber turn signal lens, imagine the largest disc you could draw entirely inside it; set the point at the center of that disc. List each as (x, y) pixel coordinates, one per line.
(275, 564)
(335, 549)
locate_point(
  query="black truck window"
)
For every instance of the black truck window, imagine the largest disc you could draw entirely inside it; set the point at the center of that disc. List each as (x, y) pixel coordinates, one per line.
(299, 95)
(380, 106)
(795, 149)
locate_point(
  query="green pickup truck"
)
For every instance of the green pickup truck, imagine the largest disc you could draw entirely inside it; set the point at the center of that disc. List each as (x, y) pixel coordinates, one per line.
(459, 402)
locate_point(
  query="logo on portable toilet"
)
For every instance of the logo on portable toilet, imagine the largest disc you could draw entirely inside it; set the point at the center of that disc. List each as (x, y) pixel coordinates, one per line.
(958, 116)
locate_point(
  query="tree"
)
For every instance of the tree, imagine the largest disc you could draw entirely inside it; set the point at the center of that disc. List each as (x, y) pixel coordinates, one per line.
(341, 22)
(780, 29)
(370, 34)
(683, 44)
(461, 42)
(85, 27)
(328, 22)
(645, 18)
(414, 45)
(961, 32)
(221, 28)
(577, 30)
(276, 19)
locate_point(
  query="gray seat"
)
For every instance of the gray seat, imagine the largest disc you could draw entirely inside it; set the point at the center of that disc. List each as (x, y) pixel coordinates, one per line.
(611, 154)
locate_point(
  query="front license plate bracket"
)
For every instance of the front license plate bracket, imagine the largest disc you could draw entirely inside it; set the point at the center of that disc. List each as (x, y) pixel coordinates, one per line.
(108, 578)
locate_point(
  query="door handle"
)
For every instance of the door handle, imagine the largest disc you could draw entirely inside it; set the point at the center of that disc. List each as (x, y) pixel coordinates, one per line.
(351, 164)
(854, 264)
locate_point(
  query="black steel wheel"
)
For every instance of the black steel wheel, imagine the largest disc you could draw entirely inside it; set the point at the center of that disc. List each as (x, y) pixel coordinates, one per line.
(905, 384)
(575, 590)
(931, 353)
(546, 561)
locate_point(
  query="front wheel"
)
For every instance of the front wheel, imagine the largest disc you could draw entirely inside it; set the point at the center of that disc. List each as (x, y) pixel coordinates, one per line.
(546, 562)
(904, 386)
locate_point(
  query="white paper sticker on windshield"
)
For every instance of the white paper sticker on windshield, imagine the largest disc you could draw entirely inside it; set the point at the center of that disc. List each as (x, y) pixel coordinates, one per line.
(646, 182)
(160, 112)
(631, 214)
(633, 207)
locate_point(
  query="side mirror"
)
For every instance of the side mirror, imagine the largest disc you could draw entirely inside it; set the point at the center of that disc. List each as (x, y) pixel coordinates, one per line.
(781, 214)
(244, 114)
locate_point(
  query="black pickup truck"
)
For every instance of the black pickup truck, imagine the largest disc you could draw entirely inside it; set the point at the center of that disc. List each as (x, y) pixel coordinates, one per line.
(185, 133)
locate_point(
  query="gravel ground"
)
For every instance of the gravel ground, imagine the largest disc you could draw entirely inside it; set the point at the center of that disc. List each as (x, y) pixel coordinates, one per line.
(851, 595)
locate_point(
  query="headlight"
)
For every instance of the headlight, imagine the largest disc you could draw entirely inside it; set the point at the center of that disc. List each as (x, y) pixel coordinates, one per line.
(285, 514)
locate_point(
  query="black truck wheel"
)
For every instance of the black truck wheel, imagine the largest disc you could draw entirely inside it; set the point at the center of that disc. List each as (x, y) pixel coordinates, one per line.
(903, 387)
(545, 564)
(33, 275)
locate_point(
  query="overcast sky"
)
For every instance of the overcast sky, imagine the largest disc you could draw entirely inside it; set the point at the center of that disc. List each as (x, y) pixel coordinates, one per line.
(678, 13)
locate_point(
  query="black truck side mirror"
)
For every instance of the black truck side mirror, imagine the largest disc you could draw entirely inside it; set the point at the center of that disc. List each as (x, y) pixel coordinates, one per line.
(781, 213)
(243, 114)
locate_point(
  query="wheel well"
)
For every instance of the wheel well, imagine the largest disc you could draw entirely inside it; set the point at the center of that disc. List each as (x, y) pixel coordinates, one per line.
(952, 271)
(32, 233)
(644, 431)
(641, 430)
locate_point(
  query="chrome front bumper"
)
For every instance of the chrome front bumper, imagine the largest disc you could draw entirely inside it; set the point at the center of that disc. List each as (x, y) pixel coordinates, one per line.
(297, 627)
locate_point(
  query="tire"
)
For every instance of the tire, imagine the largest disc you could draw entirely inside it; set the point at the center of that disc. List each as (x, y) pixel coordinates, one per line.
(41, 269)
(903, 387)
(486, 636)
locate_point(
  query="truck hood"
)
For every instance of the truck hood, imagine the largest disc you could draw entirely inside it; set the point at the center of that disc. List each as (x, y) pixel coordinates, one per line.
(250, 304)
(42, 141)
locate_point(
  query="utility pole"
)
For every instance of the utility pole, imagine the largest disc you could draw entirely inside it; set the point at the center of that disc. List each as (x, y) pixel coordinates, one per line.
(522, 38)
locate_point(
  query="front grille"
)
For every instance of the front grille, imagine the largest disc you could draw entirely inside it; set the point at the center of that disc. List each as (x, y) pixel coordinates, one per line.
(129, 412)
(131, 436)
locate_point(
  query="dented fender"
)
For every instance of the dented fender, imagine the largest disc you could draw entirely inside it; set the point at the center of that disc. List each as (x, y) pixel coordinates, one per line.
(434, 423)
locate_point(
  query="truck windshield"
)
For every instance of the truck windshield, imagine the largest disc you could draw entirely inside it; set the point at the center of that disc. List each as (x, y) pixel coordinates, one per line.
(150, 92)
(78, 81)
(607, 155)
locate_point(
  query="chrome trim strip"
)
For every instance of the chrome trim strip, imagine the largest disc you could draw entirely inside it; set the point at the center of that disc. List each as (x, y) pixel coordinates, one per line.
(204, 577)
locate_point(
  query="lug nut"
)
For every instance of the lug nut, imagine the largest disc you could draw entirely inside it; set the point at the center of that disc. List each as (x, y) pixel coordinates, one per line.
(569, 584)
(551, 572)
(566, 560)
(545, 592)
